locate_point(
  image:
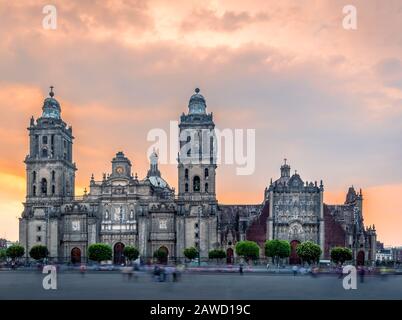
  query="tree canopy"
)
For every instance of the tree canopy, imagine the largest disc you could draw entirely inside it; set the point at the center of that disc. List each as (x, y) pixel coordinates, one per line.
(38, 252)
(190, 253)
(131, 252)
(309, 252)
(277, 249)
(15, 251)
(341, 254)
(99, 252)
(248, 249)
(217, 254)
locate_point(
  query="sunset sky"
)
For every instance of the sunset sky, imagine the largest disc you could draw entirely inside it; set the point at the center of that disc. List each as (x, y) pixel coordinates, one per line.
(326, 98)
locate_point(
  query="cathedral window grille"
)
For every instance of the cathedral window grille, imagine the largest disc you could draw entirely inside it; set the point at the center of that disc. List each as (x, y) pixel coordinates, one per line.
(34, 176)
(206, 173)
(53, 189)
(36, 145)
(196, 235)
(186, 174)
(52, 145)
(65, 150)
(44, 139)
(186, 187)
(162, 224)
(44, 153)
(44, 186)
(53, 176)
(38, 238)
(34, 191)
(206, 187)
(196, 184)
(39, 228)
(189, 153)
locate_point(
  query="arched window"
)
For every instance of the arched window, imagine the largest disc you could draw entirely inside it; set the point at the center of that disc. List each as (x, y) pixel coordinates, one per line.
(206, 187)
(44, 139)
(196, 184)
(186, 174)
(186, 187)
(34, 191)
(34, 176)
(43, 186)
(53, 189)
(206, 173)
(44, 153)
(53, 176)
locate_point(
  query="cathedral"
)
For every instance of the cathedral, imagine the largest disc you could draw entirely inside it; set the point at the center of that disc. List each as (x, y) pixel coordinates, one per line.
(122, 209)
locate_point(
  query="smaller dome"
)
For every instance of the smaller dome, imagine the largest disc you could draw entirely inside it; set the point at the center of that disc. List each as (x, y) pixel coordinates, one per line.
(158, 182)
(197, 104)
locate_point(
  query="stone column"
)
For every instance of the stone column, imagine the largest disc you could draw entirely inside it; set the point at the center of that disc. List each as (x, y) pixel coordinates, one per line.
(322, 226)
(271, 216)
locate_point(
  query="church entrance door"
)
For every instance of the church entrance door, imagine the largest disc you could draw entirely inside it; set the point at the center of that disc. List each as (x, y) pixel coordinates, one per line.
(163, 255)
(360, 258)
(118, 253)
(229, 256)
(294, 258)
(76, 255)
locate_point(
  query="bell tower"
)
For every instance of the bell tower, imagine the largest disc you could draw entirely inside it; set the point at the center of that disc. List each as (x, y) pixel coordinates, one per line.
(50, 178)
(197, 205)
(197, 154)
(49, 164)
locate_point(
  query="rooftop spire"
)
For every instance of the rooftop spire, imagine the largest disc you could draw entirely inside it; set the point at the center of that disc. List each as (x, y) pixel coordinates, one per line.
(51, 93)
(285, 169)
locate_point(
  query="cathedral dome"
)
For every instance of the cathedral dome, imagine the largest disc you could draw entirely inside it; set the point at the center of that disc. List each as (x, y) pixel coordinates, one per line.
(197, 104)
(51, 107)
(154, 175)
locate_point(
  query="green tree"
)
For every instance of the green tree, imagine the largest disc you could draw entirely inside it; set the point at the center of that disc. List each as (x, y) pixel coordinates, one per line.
(217, 254)
(15, 251)
(309, 252)
(341, 254)
(249, 250)
(161, 255)
(190, 253)
(131, 253)
(99, 252)
(38, 252)
(277, 249)
(3, 254)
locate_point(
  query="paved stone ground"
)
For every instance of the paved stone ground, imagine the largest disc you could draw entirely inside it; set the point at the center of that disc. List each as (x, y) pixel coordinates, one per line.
(112, 285)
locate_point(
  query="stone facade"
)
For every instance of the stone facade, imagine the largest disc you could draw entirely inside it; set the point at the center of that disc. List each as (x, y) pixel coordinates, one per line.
(121, 209)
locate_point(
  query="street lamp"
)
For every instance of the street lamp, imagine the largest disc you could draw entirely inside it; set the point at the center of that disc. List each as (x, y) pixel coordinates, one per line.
(199, 235)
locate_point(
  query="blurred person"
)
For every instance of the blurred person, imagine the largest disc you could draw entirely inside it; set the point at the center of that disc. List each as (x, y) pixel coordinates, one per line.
(83, 269)
(294, 269)
(361, 273)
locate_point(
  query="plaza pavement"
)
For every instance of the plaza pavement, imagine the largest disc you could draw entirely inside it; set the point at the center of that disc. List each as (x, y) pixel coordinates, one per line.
(113, 285)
